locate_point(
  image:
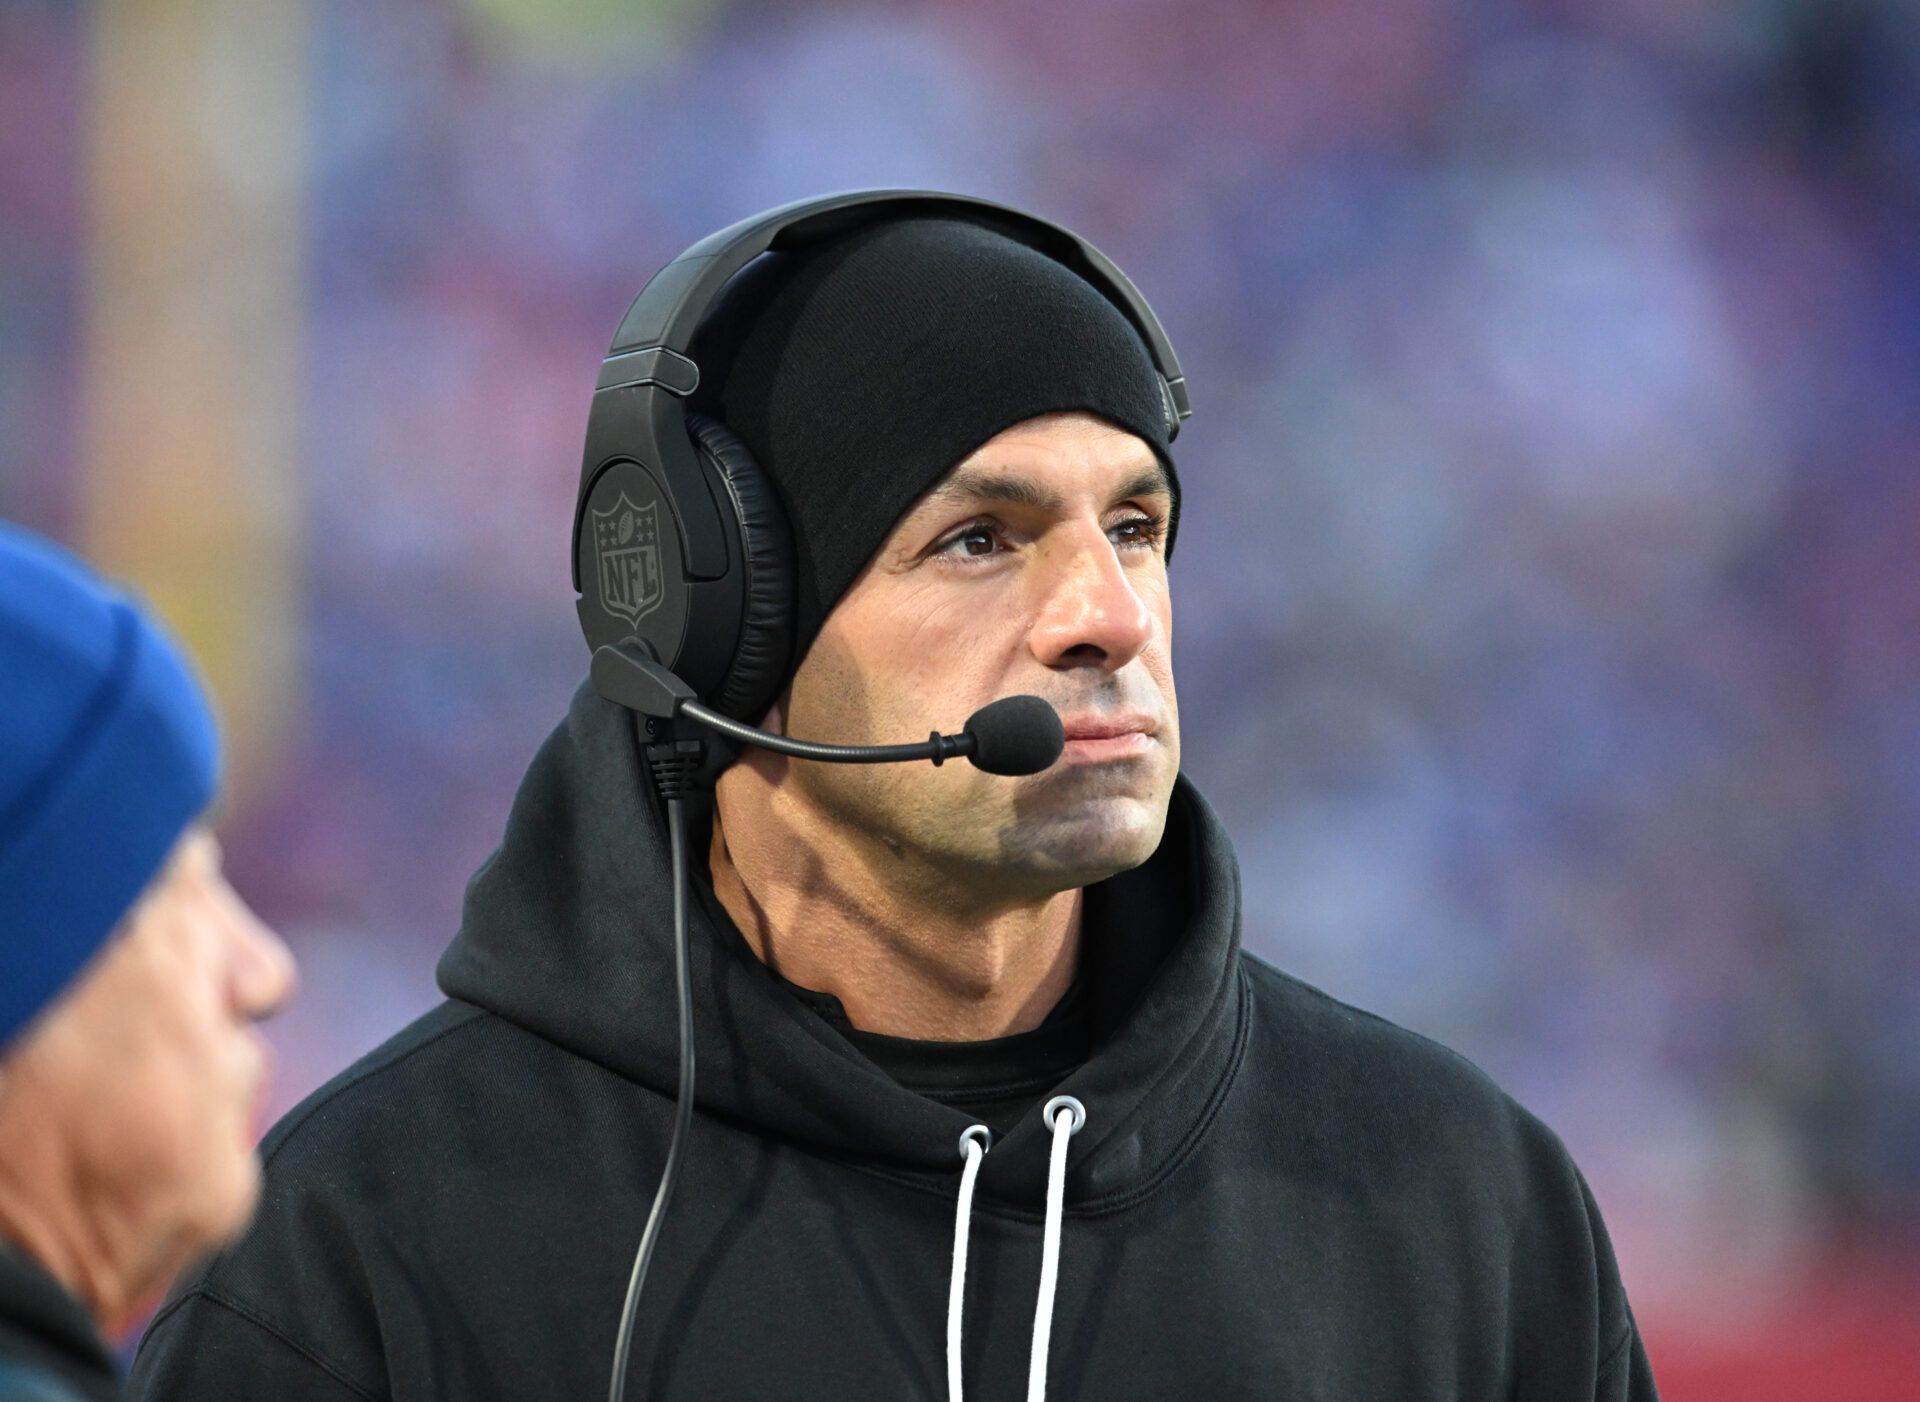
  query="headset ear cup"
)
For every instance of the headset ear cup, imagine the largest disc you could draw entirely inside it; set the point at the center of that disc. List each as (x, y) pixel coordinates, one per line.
(761, 657)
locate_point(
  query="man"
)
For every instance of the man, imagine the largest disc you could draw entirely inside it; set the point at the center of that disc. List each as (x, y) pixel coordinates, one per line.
(1255, 1191)
(130, 977)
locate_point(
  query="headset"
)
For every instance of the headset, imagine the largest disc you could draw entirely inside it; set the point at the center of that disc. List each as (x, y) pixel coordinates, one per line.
(685, 566)
(679, 538)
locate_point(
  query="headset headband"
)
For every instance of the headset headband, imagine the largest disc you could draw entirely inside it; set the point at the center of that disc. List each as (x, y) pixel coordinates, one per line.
(653, 340)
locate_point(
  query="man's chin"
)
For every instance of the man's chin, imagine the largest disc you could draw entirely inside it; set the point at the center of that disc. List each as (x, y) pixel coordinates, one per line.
(1088, 840)
(229, 1194)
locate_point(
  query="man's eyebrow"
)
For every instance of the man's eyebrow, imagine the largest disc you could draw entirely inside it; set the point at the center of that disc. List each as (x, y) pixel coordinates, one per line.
(1151, 480)
(978, 484)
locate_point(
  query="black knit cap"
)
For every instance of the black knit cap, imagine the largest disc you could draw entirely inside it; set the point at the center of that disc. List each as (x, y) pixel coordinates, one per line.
(860, 372)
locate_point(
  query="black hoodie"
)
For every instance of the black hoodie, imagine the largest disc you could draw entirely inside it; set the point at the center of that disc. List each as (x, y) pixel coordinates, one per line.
(1274, 1194)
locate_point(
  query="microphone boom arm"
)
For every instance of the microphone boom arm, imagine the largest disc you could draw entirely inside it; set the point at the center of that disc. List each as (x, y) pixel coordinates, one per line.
(936, 747)
(628, 674)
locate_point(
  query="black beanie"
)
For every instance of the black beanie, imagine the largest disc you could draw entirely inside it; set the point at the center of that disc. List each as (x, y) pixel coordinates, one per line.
(860, 372)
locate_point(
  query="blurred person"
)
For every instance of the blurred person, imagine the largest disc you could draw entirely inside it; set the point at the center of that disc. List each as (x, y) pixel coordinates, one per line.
(971, 1046)
(130, 977)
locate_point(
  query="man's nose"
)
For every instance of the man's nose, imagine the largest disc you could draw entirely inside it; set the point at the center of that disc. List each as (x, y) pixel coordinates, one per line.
(1091, 613)
(265, 975)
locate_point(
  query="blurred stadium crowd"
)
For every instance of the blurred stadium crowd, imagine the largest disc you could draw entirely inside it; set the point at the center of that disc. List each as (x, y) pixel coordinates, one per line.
(1547, 597)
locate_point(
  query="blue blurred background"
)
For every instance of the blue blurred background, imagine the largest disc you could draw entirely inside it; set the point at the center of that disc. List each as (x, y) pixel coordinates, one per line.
(1547, 594)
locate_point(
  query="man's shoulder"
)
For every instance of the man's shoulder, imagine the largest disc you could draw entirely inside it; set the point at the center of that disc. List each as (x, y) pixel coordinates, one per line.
(1381, 1082)
(1319, 1024)
(447, 1066)
(459, 1084)
(383, 1082)
(1447, 1168)
(369, 1148)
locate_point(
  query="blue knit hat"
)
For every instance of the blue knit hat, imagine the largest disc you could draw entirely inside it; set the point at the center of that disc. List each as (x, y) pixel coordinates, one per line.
(107, 753)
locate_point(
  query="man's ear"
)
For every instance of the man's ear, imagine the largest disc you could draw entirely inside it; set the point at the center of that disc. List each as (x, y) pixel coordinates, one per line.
(775, 720)
(722, 753)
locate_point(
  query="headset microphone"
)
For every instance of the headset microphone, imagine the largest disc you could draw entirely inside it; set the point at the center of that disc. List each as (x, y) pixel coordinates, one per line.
(1015, 735)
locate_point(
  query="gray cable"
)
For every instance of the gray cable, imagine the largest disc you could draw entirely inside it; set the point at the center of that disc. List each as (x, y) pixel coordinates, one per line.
(683, 1114)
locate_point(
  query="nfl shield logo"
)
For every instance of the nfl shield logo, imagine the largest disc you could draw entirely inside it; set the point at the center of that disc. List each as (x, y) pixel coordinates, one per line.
(627, 538)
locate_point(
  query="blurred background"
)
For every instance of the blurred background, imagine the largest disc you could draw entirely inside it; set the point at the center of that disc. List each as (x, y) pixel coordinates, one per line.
(1547, 592)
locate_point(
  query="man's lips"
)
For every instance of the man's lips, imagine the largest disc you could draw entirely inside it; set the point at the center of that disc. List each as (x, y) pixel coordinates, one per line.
(260, 1082)
(1108, 737)
(1106, 727)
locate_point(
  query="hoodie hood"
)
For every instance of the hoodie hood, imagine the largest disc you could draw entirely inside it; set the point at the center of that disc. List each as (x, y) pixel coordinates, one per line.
(567, 931)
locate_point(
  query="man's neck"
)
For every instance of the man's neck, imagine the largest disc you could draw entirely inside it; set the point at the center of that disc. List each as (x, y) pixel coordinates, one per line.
(901, 963)
(75, 1257)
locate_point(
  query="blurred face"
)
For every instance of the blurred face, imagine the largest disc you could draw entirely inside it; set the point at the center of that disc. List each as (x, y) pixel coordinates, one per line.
(147, 1075)
(1036, 566)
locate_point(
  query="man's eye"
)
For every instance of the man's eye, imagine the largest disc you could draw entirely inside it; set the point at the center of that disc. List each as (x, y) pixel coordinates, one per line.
(973, 540)
(1137, 530)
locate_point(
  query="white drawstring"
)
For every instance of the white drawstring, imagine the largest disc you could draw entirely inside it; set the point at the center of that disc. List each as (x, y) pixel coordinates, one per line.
(975, 1140)
(1064, 1116)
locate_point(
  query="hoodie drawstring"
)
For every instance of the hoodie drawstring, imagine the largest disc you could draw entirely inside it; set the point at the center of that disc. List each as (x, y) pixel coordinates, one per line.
(975, 1140)
(1065, 1116)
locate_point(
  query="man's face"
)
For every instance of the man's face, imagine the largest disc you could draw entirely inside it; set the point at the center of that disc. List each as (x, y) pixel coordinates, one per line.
(144, 1079)
(1036, 566)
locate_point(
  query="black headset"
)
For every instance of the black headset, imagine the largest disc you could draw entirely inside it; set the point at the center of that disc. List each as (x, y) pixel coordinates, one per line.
(678, 536)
